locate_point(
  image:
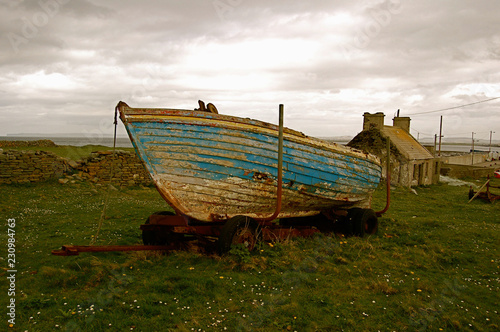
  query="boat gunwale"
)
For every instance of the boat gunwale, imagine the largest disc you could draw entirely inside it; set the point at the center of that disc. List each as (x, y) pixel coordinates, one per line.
(127, 115)
(292, 145)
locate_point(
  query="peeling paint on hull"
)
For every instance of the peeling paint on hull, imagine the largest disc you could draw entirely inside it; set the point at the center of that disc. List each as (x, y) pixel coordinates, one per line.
(212, 167)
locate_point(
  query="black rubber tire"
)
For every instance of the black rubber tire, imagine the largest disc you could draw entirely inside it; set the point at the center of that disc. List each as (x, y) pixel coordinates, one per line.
(363, 221)
(153, 238)
(239, 229)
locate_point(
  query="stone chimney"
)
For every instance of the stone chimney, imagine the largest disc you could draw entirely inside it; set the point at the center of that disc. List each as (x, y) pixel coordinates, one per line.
(402, 122)
(373, 120)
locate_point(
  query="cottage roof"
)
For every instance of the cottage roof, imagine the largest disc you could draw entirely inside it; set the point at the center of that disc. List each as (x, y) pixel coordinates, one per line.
(407, 145)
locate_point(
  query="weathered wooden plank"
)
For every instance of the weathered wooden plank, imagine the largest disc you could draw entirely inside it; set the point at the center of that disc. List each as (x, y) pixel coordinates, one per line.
(214, 130)
(330, 163)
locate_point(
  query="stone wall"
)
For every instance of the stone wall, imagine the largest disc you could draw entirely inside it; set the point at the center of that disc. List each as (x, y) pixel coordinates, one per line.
(36, 166)
(19, 144)
(466, 159)
(463, 171)
(31, 166)
(127, 168)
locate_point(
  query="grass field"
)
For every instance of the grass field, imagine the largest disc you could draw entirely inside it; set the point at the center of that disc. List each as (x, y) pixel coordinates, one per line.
(433, 266)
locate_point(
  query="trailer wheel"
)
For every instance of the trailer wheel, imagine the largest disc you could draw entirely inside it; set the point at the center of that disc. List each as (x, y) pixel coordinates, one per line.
(156, 238)
(238, 230)
(363, 221)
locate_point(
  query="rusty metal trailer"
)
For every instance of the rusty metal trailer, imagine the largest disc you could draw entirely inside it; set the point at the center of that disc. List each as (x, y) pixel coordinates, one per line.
(486, 195)
(166, 231)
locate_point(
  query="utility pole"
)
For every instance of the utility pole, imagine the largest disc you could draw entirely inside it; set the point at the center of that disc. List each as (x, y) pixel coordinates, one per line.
(435, 140)
(440, 134)
(472, 155)
(491, 133)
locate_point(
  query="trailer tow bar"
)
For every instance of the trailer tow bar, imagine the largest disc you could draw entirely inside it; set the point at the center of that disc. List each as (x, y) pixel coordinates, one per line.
(70, 250)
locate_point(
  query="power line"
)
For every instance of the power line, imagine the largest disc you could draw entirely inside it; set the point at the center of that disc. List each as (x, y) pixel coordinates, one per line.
(425, 134)
(422, 133)
(455, 107)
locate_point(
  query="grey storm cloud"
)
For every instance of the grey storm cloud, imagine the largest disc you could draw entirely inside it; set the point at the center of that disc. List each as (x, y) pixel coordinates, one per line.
(64, 64)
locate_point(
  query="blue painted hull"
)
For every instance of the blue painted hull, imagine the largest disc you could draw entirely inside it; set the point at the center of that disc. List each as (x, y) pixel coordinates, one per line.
(212, 167)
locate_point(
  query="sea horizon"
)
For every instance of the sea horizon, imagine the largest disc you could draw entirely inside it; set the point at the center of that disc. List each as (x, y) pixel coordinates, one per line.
(124, 142)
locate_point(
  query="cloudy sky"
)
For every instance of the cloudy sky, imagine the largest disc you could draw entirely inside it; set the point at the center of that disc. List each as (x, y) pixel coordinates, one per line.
(65, 64)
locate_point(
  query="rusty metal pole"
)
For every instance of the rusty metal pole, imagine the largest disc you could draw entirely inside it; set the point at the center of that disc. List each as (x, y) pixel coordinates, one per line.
(280, 169)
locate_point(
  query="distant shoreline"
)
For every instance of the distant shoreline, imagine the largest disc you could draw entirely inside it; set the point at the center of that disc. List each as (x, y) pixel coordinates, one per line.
(124, 142)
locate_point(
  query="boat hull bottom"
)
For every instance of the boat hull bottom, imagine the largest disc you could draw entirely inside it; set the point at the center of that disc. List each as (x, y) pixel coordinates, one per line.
(211, 201)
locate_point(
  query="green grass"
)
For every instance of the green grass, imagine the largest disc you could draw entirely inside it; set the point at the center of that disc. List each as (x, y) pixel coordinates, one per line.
(68, 151)
(433, 266)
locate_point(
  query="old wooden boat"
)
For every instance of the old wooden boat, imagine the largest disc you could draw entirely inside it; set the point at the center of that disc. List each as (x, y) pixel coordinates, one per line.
(223, 177)
(212, 167)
